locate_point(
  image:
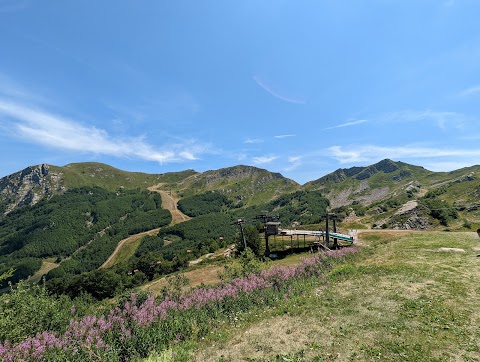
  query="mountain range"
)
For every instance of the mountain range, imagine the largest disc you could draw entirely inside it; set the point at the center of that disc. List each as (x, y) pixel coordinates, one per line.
(68, 220)
(246, 185)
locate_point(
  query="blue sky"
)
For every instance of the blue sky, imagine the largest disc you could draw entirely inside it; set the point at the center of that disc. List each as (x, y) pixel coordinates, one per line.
(296, 87)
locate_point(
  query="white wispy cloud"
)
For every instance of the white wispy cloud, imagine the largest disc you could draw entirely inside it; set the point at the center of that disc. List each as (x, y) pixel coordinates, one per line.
(261, 160)
(294, 159)
(54, 131)
(474, 90)
(347, 124)
(10, 89)
(344, 155)
(253, 140)
(369, 153)
(241, 156)
(274, 93)
(446, 165)
(284, 136)
(441, 119)
(293, 163)
(472, 137)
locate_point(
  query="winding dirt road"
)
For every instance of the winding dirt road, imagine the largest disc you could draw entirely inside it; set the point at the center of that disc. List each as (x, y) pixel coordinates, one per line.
(113, 258)
(169, 202)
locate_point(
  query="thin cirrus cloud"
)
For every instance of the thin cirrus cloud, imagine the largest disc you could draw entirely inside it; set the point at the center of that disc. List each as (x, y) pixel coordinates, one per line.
(443, 120)
(253, 140)
(347, 124)
(293, 163)
(40, 127)
(262, 160)
(284, 136)
(369, 153)
(474, 90)
(269, 89)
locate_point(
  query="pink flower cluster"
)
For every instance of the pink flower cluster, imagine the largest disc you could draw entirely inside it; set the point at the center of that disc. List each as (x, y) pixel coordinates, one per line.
(32, 348)
(86, 338)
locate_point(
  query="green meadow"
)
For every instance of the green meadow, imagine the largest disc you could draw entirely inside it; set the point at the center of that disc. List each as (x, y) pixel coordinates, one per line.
(406, 296)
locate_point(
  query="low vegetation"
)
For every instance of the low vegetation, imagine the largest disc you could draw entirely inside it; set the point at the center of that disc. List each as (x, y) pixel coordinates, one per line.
(139, 325)
(403, 296)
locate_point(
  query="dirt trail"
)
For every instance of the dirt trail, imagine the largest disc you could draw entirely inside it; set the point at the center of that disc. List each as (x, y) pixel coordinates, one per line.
(44, 269)
(112, 259)
(169, 202)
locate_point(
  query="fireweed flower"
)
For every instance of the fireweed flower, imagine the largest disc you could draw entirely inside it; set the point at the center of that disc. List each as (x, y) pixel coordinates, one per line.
(90, 334)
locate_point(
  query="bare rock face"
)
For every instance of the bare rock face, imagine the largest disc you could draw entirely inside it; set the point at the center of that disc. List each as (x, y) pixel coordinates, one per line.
(28, 187)
(413, 220)
(465, 178)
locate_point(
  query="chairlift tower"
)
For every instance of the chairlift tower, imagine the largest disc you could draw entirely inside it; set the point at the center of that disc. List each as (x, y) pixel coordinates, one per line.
(240, 222)
(271, 227)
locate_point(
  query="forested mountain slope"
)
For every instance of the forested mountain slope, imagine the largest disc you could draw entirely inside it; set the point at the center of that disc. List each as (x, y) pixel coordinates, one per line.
(74, 216)
(78, 229)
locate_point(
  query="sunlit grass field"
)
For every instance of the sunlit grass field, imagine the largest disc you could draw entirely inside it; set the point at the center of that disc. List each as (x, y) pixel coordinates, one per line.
(408, 296)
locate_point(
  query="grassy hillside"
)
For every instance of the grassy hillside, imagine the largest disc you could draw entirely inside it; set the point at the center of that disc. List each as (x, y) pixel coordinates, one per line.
(243, 185)
(382, 180)
(407, 297)
(387, 193)
(384, 195)
(35, 183)
(100, 175)
(404, 296)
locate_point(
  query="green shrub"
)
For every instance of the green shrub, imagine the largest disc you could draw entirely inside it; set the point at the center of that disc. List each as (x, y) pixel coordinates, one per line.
(28, 310)
(440, 210)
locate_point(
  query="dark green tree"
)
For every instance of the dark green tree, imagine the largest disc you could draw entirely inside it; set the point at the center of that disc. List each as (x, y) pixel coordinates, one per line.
(252, 239)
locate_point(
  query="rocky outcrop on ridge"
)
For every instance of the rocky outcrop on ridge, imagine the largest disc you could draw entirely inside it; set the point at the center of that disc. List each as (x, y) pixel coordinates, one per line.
(28, 187)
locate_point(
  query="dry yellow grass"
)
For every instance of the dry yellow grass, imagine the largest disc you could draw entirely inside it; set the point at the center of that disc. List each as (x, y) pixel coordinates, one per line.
(208, 275)
(47, 265)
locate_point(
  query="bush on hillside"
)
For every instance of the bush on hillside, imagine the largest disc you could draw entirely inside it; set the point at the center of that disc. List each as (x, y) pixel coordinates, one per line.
(204, 204)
